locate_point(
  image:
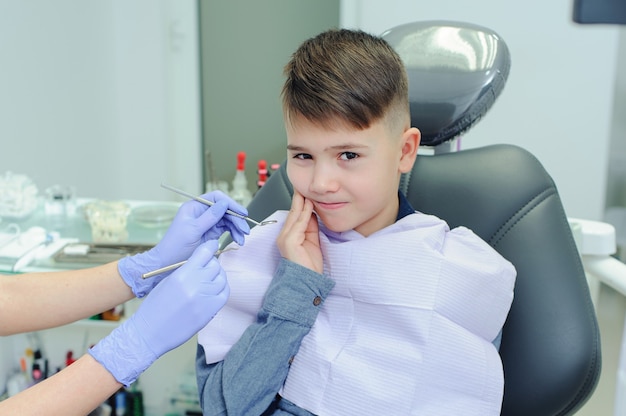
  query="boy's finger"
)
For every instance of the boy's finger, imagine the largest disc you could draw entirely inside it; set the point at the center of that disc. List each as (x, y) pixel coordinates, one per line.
(296, 223)
(307, 211)
(296, 207)
(303, 211)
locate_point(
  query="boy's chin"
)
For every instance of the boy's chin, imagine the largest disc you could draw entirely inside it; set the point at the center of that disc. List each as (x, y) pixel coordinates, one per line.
(335, 225)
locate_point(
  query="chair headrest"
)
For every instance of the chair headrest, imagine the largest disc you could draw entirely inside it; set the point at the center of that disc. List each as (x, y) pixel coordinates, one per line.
(456, 71)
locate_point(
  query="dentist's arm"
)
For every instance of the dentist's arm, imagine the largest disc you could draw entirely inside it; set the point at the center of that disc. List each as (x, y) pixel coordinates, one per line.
(35, 301)
(173, 312)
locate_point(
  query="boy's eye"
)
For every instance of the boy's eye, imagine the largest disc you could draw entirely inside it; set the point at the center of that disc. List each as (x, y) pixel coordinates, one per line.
(348, 156)
(302, 156)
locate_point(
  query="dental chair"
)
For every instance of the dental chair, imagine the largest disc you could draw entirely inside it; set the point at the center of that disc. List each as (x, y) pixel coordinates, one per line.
(550, 342)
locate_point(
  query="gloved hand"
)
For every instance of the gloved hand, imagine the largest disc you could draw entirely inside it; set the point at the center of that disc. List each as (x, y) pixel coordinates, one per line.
(194, 224)
(173, 312)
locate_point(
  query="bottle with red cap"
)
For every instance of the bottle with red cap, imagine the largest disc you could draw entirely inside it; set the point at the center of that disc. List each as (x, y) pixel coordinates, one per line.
(263, 173)
(240, 192)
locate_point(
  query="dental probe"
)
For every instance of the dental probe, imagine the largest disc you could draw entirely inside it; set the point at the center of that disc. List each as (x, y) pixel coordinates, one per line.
(177, 265)
(210, 203)
(163, 269)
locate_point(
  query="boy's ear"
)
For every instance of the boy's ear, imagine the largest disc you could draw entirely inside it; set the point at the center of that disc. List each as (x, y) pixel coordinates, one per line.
(410, 144)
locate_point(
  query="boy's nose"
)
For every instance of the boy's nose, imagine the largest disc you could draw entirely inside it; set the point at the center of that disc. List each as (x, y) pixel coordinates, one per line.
(323, 180)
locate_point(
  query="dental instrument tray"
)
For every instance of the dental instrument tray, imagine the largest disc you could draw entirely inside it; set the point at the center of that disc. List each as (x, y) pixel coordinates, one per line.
(97, 253)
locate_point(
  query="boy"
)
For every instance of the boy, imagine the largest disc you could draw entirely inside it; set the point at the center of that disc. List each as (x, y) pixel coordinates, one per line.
(364, 305)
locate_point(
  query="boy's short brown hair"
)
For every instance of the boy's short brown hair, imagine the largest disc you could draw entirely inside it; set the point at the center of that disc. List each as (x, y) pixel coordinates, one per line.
(346, 77)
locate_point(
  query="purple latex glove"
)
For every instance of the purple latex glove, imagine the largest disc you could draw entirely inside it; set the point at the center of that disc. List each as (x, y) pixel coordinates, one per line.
(173, 313)
(194, 224)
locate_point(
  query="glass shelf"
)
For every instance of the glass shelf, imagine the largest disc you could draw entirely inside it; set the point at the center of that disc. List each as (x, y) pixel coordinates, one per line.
(147, 223)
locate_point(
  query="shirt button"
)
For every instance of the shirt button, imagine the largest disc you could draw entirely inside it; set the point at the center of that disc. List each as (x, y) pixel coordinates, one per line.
(291, 360)
(317, 300)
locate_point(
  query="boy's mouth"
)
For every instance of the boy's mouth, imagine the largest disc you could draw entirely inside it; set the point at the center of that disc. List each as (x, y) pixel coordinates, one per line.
(330, 205)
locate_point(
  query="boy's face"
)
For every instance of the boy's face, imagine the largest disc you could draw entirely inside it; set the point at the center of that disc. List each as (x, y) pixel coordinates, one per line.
(351, 176)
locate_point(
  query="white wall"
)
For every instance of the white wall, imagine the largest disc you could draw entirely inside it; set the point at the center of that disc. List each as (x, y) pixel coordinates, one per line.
(102, 95)
(617, 155)
(559, 96)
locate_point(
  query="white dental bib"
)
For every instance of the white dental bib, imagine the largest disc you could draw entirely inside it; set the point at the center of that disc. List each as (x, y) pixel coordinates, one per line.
(407, 329)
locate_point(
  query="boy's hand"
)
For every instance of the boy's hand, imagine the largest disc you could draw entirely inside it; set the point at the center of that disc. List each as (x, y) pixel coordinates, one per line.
(299, 240)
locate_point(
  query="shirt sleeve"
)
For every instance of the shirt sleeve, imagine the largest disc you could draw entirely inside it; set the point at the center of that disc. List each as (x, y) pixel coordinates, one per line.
(254, 370)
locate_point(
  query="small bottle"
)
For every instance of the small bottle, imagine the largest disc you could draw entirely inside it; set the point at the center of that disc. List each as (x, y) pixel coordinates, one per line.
(69, 358)
(39, 367)
(120, 403)
(263, 173)
(240, 192)
(274, 168)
